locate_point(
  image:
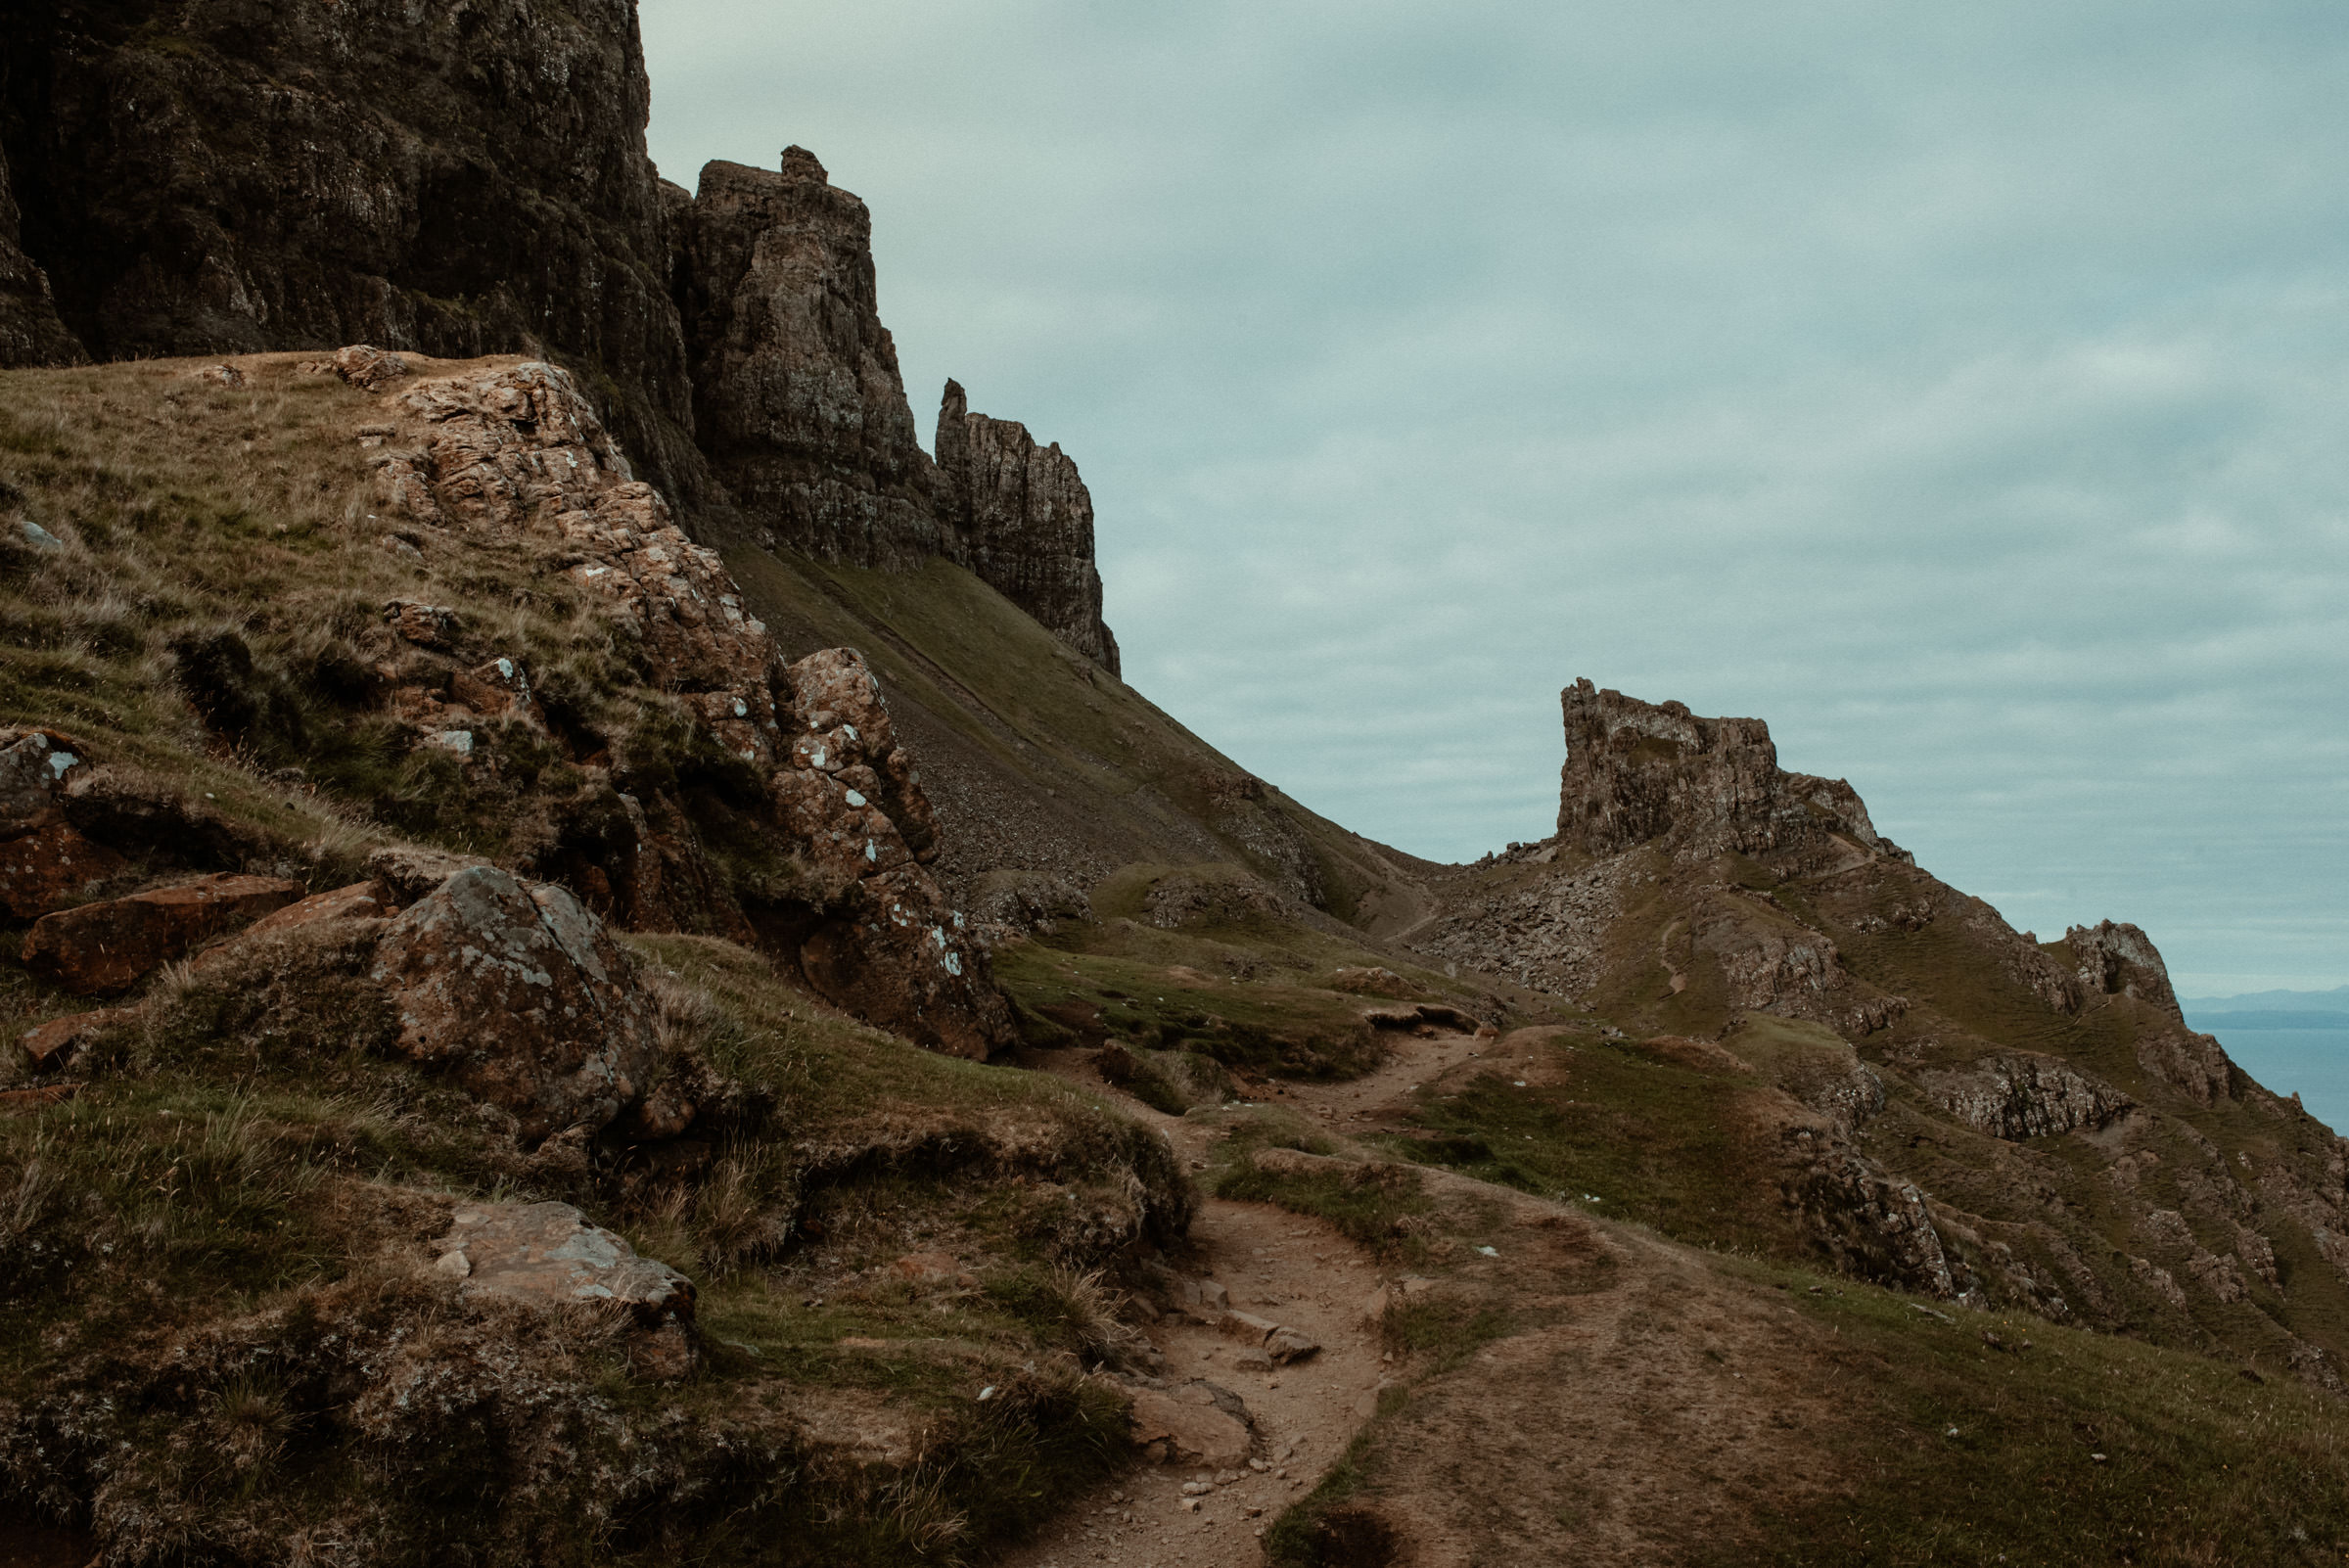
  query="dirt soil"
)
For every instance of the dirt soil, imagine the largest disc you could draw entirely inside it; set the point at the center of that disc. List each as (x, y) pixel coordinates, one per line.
(1630, 1424)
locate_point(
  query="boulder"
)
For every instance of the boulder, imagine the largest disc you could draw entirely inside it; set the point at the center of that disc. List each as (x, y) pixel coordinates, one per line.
(548, 1255)
(109, 947)
(1191, 1423)
(35, 766)
(43, 869)
(361, 901)
(524, 994)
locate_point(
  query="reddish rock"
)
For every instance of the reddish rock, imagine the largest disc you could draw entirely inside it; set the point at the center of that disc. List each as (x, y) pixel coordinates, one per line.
(31, 1099)
(525, 996)
(361, 901)
(109, 947)
(53, 1043)
(42, 869)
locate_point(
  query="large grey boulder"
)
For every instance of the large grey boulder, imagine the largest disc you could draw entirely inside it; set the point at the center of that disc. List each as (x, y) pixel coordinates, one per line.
(522, 992)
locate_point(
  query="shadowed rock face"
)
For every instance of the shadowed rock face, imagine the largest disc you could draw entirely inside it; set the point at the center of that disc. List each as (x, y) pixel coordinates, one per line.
(30, 334)
(802, 408)
(1638, 771)
(1027, 522)
(458, 179)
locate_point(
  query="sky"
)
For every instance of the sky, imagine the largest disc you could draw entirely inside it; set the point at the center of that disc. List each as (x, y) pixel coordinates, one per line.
(1961, 389)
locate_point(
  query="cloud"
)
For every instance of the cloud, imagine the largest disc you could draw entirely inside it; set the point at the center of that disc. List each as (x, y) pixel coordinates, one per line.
(1960, 389)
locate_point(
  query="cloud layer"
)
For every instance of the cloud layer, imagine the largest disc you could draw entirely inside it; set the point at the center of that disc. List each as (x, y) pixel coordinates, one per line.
(1963, 392)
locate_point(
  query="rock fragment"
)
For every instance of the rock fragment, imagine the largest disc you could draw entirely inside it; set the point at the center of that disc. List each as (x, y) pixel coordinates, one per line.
(109, 947)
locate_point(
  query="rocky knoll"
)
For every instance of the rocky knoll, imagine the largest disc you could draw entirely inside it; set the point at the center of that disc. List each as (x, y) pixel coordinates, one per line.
(2011, 1122)
(1025, 521)
(513, 458)
(1641, 771)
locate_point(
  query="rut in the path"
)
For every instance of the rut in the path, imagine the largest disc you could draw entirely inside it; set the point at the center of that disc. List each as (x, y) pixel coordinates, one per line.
(1297, 1270)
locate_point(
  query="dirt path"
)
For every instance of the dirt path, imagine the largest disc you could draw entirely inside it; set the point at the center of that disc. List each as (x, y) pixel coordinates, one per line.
(1624, 1417)
(1300, 1272)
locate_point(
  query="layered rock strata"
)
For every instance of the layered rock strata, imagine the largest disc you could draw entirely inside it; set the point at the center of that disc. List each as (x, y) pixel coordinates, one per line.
(801, 405)
(461, 180)
(1025, 520)
(1638, 772)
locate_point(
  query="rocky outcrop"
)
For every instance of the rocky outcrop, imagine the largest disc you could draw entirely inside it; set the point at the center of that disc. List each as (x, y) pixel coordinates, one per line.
(1026, 522)
(514, 456)
(549, 1256)
(2026, 1095)
(2118, 959)
(800, 403)
(102, 948)
(460, 180)
(31, 333)
(1641, 771)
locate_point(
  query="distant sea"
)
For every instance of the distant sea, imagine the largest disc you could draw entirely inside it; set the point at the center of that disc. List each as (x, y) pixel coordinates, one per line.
(2313, 1062)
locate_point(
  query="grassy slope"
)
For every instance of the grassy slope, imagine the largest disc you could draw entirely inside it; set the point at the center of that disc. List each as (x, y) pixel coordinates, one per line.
(248, 1154)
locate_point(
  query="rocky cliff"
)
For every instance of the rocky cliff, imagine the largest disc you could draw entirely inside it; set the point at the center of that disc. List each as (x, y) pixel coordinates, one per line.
(220, 177)
(2038, 1129)
(31, 333)
(1025, 523)
(1638, 771)
(802, 408)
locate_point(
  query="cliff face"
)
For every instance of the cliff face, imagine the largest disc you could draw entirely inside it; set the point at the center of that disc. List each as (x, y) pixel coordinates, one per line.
(223, 178)
(1638, 771)
(30, 332)
(802, 410)
(1026, 522)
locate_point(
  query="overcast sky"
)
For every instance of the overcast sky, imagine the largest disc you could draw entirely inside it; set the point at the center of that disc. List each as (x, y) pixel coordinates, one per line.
(1962, 390)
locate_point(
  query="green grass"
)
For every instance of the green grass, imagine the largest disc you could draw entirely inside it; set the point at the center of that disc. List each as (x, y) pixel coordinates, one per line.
(2201, 1465)
(1655, 1142)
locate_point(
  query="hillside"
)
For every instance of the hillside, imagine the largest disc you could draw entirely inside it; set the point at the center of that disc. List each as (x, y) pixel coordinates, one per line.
(597, 964)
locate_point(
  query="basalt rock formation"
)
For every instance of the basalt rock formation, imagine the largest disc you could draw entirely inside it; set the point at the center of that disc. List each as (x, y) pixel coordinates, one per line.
(802, 408)
(461, 181)
(1638, 771)
(1958, 1107)
(1025, 520)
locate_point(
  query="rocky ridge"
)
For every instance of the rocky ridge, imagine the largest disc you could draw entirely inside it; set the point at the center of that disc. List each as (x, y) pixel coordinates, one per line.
(1696, 885)
(479, 184)
(1025, 521)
